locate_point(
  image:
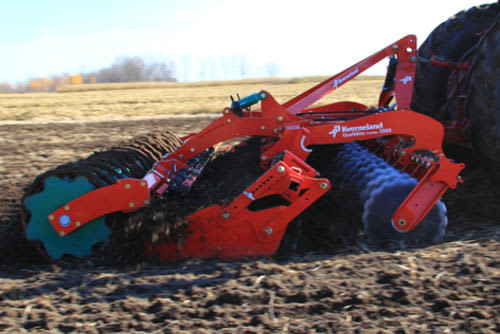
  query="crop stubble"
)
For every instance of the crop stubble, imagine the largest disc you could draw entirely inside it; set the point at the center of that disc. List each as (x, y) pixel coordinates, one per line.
(452, 287)
(177, 98)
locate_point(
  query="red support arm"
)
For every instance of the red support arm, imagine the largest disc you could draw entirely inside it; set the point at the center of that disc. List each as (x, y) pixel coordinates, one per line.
(425, 195)
(125, 195)
(405, 49)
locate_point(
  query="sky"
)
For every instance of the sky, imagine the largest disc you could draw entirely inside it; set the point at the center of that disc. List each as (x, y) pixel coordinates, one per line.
(203, 38)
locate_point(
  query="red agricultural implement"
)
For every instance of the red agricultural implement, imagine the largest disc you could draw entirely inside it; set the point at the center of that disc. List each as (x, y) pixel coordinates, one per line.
(391, 155)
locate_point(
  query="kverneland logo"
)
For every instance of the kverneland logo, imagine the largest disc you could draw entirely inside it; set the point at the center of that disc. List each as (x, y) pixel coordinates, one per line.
(355, 130)
(335, 130)
(346, 77)
(405, 79)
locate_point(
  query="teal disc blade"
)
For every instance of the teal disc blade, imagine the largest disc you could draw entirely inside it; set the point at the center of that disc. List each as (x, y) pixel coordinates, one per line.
(57, 192)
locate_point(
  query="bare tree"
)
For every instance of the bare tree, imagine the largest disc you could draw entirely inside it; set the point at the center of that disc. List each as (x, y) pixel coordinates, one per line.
(158, 71)
(135, 69)
(202, 65)
(187, 65)
(5, 87)
(226, 66)
(244, 66)
(272, 69)
(210, 68)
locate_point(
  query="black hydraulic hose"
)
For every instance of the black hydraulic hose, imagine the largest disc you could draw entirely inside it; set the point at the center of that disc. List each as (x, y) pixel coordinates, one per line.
(391, 73)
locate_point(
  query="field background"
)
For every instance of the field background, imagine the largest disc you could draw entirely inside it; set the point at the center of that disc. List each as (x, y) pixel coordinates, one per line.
(91, 101)
(350, 287)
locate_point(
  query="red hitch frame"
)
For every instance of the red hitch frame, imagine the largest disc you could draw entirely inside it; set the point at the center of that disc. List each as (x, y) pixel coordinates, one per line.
(236, 230)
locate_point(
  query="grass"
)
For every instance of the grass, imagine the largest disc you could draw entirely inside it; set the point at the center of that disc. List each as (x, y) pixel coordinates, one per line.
(148, 99)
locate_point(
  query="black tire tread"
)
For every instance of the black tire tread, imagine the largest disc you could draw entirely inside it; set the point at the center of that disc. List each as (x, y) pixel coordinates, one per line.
(450, 40)
(483, 102)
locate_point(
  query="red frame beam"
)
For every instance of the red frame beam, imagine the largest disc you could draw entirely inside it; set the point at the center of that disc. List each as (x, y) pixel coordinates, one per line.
(404, 49)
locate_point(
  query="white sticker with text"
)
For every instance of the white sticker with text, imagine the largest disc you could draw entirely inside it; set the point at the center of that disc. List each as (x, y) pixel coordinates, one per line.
(362, 130)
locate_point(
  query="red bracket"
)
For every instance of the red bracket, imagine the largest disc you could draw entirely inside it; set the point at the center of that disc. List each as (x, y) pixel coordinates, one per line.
(126, 195)
(425, 195)
(239, 230)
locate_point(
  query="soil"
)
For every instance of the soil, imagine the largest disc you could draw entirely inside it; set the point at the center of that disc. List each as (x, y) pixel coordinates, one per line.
(335, 282)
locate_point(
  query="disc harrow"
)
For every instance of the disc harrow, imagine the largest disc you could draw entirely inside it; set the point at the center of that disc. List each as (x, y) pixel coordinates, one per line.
(185, 198)
(381, 189)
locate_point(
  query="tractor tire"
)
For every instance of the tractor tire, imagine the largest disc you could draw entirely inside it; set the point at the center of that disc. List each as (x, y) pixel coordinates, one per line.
(483, 101)
(451, 40)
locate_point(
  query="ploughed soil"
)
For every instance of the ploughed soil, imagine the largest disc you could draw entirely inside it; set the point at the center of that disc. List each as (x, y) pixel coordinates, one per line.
(335, 282)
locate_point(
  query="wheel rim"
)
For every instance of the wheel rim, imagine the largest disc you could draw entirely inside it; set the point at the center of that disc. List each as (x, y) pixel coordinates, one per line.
(57, 192)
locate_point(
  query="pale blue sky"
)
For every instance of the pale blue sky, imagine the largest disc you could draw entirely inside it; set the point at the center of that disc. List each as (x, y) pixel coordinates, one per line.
(41, 38)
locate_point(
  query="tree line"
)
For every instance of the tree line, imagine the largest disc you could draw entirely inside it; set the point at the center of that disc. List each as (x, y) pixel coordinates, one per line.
(140, 69)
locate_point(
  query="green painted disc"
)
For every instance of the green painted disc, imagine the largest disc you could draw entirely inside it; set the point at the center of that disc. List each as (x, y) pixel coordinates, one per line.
(57, 192)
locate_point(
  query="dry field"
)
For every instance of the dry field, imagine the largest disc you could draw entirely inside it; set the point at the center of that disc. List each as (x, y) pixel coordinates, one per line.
(159, 99)
(347, 287)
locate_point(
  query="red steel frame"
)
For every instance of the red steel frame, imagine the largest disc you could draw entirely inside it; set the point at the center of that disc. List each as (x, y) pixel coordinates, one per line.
(235, 231)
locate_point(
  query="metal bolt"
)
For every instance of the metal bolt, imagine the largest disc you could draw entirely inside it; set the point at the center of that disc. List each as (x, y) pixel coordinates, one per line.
(269, 231)
(181, 156)
(275, 130)
(263, 95)
(280, 118)
(229, 120)
(422, 162)
(131, 204)
(417, 160)
(403, 153)
(64, 220)
(323, 185)
(192, 149)
(51, 217)
(428, 164)
(264, 157)
(402, 222)
(280, 169)
(127, 186)
(311, 122)
(412, 158)
(225, 215)
(263, 127)
(61, 233)
(66, 207)
(395, 47)
(143, 184)
(146, 202)
(226, 111)
(413, 59)
(77, 223)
